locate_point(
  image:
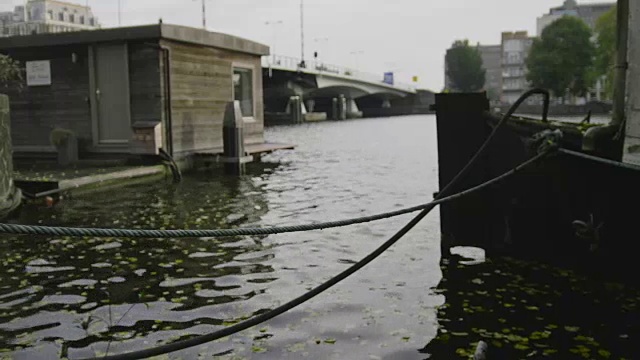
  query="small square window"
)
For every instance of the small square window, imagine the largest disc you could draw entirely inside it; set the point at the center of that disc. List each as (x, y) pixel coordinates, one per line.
(243, 90)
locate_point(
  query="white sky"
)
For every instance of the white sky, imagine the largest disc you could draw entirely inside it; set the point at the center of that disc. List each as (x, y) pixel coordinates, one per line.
(409, 37)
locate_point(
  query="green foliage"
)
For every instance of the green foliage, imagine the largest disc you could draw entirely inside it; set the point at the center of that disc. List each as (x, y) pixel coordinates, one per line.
(464, 67)
(606, 49)
(10, 72)
(562, 59)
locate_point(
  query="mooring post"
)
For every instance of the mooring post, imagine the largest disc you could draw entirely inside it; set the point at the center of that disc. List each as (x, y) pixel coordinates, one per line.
(234, 156)
(462, 129)
(10, 196)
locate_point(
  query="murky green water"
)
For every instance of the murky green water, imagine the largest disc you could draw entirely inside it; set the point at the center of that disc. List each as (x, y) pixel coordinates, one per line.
(63, 297)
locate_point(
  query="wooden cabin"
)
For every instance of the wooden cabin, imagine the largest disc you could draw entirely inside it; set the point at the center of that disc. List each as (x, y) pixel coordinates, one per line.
(133, 90)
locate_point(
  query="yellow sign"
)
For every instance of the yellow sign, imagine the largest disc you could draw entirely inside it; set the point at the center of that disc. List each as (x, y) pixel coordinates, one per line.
(415, 79)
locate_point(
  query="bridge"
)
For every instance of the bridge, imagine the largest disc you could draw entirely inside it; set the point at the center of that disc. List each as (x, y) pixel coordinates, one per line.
(329, 91)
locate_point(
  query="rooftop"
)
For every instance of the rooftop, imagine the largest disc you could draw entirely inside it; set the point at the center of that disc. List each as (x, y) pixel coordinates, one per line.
(61, 3)
(157, 31)
(583, 6)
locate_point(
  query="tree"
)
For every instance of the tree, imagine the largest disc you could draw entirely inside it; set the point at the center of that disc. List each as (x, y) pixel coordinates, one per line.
(606, 49)
(562, 59)
(464, 67)
(10, 72)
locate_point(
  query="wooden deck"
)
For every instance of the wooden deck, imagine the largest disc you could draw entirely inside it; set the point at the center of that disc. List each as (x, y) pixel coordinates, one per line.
(253, 150)
(38, 182)
(58, 181)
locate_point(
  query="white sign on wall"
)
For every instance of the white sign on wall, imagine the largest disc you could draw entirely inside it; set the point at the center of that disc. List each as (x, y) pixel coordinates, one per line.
(38, 73)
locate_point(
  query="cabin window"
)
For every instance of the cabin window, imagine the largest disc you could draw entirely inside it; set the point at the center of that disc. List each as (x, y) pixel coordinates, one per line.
(72, 18)
(82, 20)
(61, 16)
(243, 90)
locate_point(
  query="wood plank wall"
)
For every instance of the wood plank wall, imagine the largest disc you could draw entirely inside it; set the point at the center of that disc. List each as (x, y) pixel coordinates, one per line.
(35, 111)
(201, 84)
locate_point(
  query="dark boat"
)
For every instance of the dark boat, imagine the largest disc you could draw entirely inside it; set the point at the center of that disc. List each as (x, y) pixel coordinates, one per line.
(576, 207)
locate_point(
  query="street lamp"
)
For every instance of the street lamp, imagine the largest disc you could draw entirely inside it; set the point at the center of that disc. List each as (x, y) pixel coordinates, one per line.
(302, 63)
(324, 40)
(204, 14)
(274, 24)
(356, 54)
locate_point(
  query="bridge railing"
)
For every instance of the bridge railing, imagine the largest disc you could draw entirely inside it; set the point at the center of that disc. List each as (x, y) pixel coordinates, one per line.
(294, 64)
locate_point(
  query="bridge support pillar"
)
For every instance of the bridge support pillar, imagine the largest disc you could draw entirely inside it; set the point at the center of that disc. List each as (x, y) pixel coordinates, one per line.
(353, 112)
(334, 109)
(311, 104)
(342, 107)
(10, 197)
(295, 109)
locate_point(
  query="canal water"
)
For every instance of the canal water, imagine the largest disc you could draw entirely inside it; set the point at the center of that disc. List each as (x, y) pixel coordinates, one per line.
(78, 298)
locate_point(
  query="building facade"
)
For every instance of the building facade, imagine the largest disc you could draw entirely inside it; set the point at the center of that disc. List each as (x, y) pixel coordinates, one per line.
(47, 16)
(515, 48)
(492, 64)
(589, 13)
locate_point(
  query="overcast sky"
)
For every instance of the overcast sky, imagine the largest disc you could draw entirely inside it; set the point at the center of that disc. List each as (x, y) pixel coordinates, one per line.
(409, 37)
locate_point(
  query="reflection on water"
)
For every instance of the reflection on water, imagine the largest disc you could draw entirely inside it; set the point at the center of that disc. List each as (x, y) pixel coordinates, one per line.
(527, 310)
(84, 297)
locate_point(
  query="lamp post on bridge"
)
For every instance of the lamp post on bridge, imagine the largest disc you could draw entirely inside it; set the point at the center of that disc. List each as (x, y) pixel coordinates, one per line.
(324, 40)
(204, 14)
(302, 63)
(356, 54)
(274, 25)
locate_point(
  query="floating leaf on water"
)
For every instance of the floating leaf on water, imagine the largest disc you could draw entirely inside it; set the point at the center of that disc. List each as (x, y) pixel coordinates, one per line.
(258, 349)
(463, 352)
(330, 341)
(406, 338)
(604, 353)
(459, 334)
(572, 328)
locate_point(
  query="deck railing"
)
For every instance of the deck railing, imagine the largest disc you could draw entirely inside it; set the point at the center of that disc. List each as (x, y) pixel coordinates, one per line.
(295, 64)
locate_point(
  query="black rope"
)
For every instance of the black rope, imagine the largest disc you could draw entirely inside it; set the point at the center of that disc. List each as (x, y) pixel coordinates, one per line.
(203, 339)
(599, 159)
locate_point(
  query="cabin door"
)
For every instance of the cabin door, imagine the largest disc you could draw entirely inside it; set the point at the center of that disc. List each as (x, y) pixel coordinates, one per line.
(113, 108)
